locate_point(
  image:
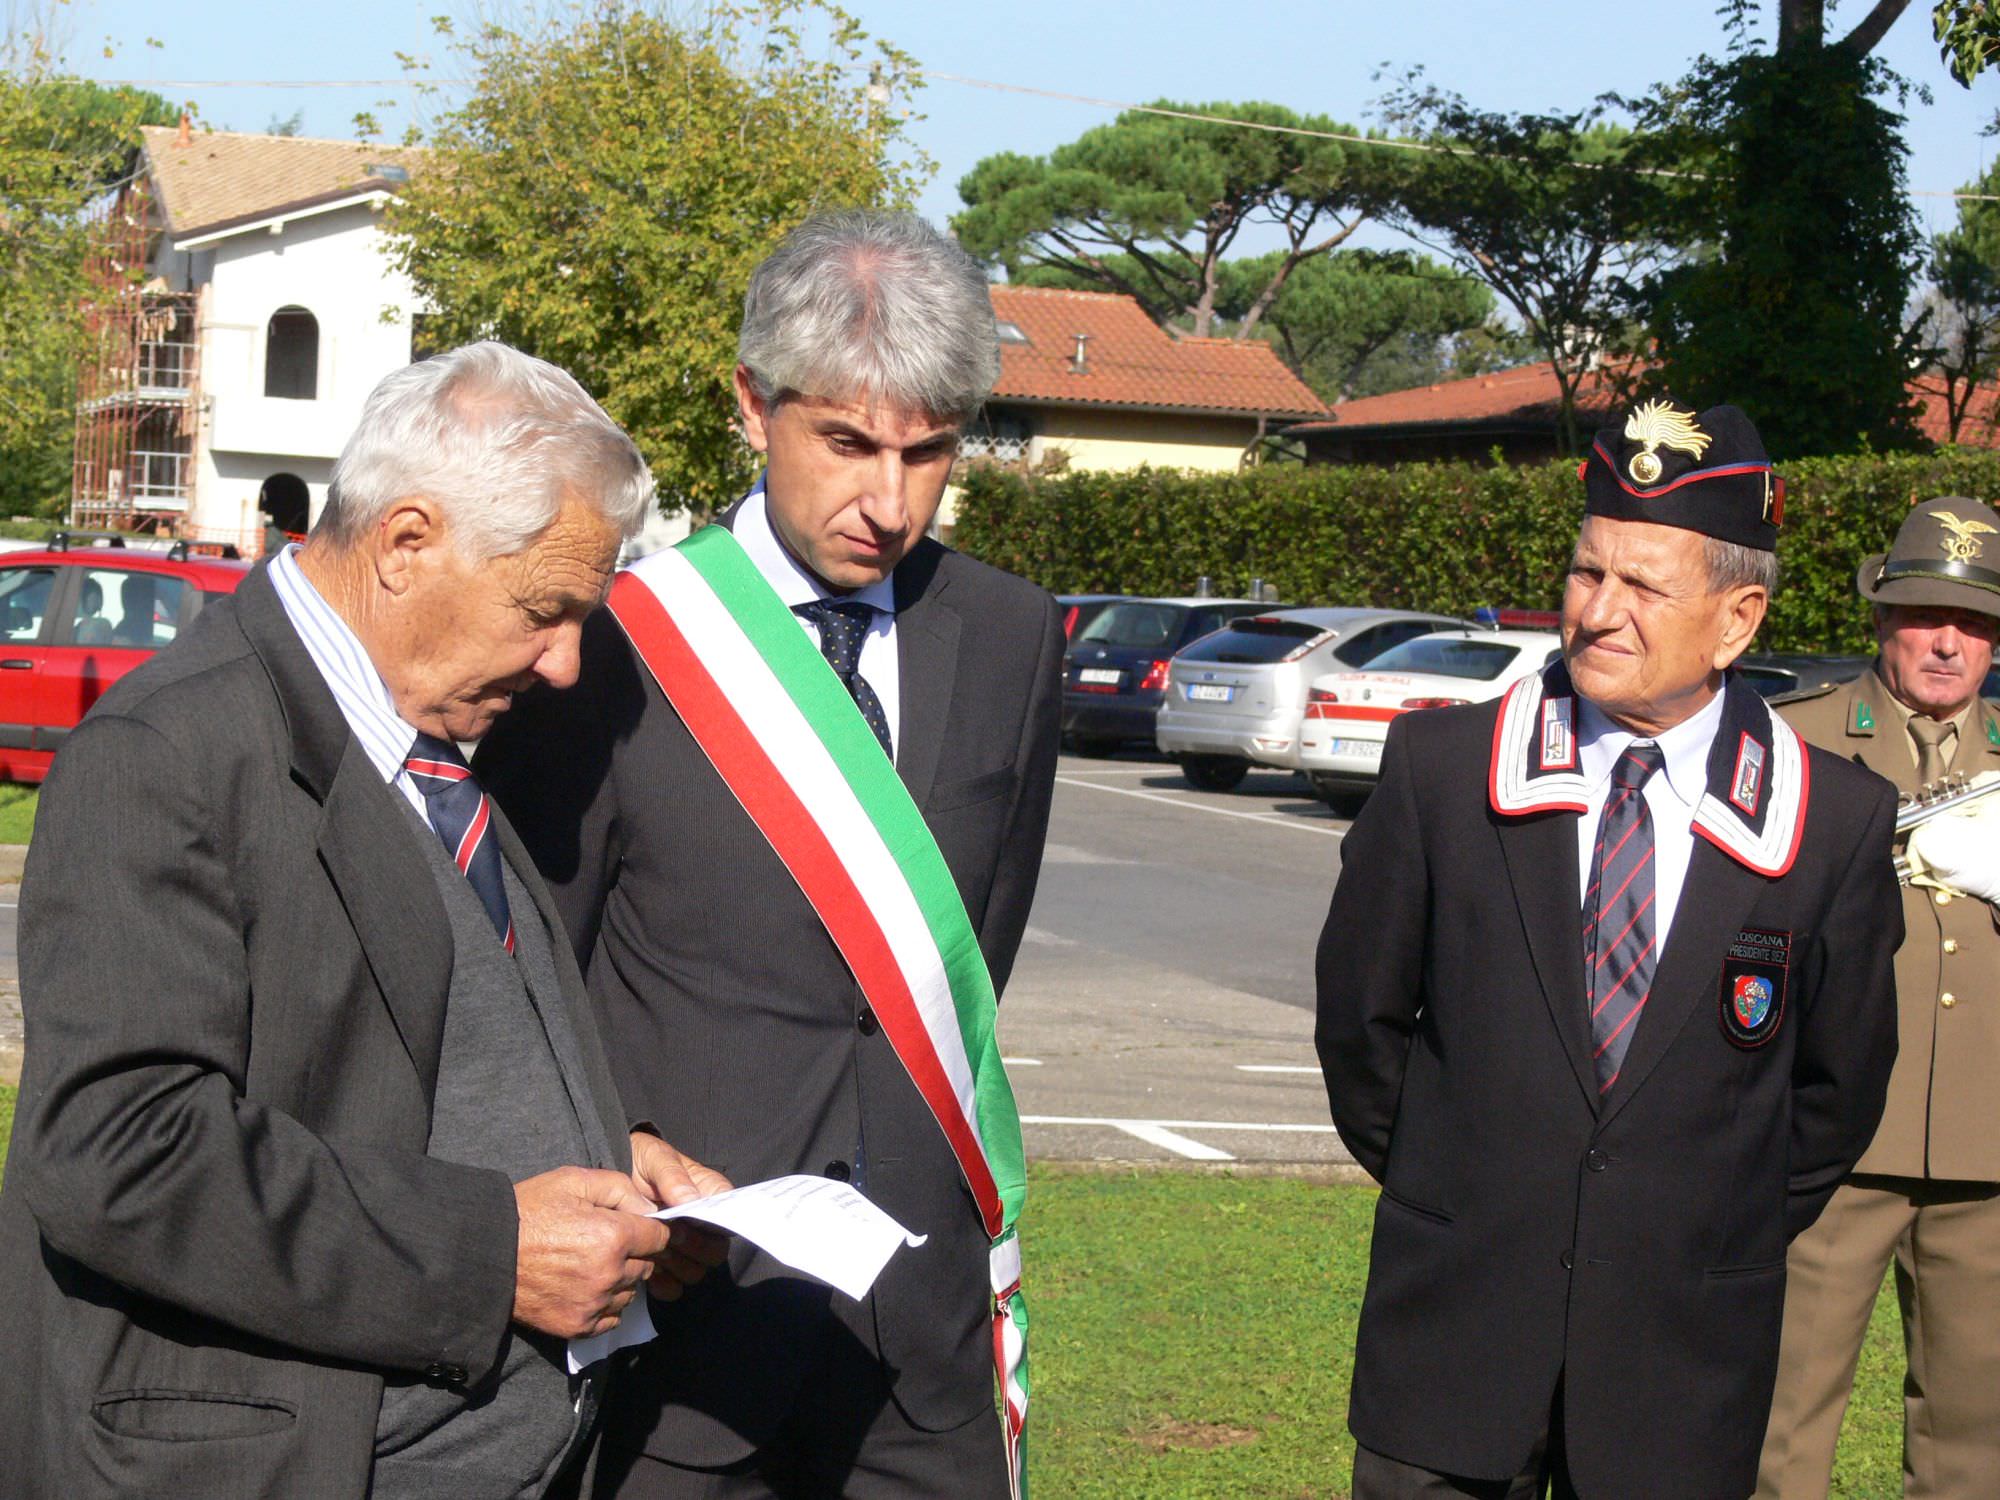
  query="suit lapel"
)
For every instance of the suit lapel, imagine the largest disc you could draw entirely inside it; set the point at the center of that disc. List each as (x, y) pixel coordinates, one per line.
(1541, 864)
(1715, 903)
(392, 900)
(927, 634)
(380, 876)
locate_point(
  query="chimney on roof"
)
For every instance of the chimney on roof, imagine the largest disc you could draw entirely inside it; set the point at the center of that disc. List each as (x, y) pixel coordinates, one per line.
(1078, 365)
(186, 134)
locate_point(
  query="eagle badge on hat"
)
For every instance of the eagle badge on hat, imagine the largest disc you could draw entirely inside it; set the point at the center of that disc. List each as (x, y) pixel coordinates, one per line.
(1657, 425)
(1963, 544)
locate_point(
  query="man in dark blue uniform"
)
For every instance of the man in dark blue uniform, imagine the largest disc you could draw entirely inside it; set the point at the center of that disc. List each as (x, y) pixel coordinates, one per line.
(1606, 1005)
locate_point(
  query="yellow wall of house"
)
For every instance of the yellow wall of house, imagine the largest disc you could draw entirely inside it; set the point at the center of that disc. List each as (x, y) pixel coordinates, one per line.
(1128, 439)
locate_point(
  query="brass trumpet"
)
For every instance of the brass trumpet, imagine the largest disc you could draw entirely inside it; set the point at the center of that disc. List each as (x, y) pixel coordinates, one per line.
(1934, 800)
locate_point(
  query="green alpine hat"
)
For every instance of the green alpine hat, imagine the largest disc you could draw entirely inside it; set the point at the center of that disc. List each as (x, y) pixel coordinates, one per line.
(1946, 554)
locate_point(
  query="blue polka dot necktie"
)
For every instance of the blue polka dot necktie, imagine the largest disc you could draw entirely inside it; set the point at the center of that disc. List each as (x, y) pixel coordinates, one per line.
(843, 626)
(1619, 926)
(463, 819)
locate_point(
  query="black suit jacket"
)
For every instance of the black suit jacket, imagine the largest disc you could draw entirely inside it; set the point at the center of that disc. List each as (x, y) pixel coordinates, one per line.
(219, 1227)
(1637, 1248)
(734, 1024)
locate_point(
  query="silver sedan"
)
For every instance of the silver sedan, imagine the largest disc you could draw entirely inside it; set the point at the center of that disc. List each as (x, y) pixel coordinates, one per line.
(1238, 696)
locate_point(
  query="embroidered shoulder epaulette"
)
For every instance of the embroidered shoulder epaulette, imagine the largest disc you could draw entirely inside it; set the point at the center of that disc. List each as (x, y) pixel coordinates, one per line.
(1804, 695)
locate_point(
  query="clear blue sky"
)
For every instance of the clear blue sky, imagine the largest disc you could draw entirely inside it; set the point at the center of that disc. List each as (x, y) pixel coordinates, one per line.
(1313, 55)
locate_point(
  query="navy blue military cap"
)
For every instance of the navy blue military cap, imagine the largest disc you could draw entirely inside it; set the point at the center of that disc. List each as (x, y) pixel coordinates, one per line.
(1704, 472)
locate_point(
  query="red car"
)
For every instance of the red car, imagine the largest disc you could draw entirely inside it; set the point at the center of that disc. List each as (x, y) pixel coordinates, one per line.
(76, 618)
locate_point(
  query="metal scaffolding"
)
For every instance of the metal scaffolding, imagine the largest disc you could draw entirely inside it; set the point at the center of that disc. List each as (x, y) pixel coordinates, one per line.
(138, 388)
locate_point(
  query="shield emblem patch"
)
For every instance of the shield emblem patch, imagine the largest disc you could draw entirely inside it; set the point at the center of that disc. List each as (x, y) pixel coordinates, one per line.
(1754, 971)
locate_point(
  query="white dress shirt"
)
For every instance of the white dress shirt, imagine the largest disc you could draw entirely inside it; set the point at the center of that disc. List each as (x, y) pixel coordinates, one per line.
(796, 586)
(383, 734)
(1672, 795)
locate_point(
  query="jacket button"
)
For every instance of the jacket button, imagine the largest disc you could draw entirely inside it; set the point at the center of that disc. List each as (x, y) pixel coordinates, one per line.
(1947, 999)
(1568, 1260)
(1944, 898)
(866, 1022)
(1596, 1160)
(1951, 945)
(837, 1170)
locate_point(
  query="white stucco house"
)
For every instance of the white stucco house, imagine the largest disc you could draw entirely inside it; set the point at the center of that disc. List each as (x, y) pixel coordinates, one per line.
(248, 310)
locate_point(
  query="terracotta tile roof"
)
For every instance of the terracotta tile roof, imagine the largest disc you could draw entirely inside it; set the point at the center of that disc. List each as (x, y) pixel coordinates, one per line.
(1980, 427)
(1129, 361)
(1527, 396)
(221, 177)
(1526, 393)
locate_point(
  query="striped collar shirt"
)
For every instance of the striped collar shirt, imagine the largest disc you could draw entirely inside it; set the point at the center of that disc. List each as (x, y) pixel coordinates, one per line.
(383, 734)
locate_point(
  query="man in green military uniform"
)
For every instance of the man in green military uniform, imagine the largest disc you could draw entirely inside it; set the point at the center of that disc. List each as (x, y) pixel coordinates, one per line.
(1928, 1190)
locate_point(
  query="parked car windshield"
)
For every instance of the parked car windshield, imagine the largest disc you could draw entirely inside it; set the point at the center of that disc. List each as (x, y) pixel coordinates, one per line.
(1140, 625)
(1253, 641)
(1477, 661)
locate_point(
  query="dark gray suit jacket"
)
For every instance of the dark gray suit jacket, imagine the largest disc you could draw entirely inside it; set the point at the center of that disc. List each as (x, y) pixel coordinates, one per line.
(732, 1020)
(219, 1227)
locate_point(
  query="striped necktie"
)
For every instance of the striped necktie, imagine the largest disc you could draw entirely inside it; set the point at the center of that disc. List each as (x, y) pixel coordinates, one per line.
(1620, 950)
(463, 818)
(843, 626)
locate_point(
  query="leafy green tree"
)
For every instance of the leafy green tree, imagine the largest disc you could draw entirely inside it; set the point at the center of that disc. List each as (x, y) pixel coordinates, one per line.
(1360, 321)
(1560, 214)
(1152, 205)
(1964, 300)
(1968, 36)
(1796, 310)
(64, 143)
(602, 196)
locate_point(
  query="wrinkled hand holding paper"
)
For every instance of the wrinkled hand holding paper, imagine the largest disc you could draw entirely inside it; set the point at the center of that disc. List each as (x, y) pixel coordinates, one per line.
(813, 1224)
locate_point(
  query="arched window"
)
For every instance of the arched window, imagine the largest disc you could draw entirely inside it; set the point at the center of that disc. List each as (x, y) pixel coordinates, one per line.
(291, 355)
(287, 501)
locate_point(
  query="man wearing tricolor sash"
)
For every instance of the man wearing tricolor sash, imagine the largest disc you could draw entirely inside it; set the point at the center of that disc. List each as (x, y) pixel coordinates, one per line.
(1606, 1006)
(793, 813)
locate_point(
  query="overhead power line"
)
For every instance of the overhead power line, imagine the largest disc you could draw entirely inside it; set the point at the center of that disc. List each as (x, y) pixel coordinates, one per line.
(930, 75)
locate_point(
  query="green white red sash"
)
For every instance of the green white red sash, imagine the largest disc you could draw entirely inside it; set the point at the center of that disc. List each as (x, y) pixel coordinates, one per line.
(786, 737)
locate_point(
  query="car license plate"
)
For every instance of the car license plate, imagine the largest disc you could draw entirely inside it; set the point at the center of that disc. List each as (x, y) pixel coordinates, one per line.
(1210, 692)
(1359, 749)
(1099, 674)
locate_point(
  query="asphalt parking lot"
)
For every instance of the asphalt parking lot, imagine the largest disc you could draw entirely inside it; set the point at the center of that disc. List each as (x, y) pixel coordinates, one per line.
(1161, 1008)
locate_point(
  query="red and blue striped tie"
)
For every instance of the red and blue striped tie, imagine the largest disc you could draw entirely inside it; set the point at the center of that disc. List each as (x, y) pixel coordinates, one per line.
(1620, 953)
(463, 818)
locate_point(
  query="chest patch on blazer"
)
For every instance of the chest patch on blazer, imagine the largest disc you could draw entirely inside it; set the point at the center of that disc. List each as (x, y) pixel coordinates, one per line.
(1754, 969)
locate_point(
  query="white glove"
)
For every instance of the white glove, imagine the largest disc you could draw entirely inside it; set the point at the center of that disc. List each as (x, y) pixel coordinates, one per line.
(1961, 850)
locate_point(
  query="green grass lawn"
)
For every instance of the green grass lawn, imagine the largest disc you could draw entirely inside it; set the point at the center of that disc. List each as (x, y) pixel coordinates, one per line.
(1192, 1337)
(17, 811)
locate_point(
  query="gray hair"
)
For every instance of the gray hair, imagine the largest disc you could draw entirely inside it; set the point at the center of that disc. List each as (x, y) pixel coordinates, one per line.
(1731, 565)
(499, 439)
(867, 305)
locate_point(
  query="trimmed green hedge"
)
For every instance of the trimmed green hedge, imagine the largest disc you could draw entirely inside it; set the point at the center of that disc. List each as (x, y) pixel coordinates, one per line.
(1447, 537)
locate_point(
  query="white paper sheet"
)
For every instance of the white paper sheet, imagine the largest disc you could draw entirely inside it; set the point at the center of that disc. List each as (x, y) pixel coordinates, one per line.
(813, 1224)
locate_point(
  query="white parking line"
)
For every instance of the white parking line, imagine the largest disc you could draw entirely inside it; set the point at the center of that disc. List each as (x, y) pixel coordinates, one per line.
(1166, 1134)
(1022, 1062)
(1220, 812)
(1167, 1140)
(1120, 770)
(1272, 1068)
(1203, 1125)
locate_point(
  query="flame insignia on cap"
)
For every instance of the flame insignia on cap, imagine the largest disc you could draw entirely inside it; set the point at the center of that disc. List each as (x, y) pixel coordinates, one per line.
(1657, 425)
